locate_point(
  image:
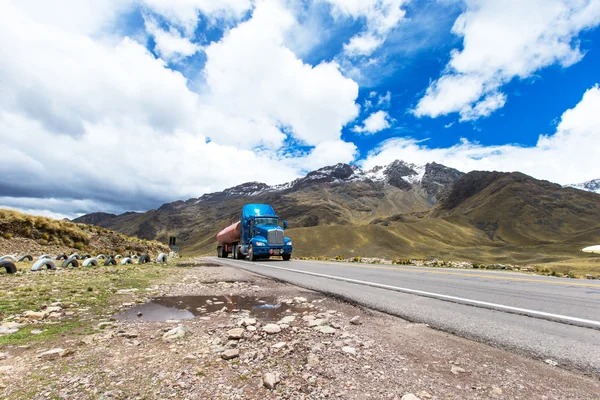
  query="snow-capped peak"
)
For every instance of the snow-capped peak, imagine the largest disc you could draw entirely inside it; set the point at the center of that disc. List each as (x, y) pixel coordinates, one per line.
(590, 186)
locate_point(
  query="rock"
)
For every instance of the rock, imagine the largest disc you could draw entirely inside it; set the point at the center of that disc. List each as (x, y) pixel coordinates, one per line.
(269, 380)
(140, 314)
(249, 321)
(53, 309)
(230, 354)
(300, 300)
(271, 329)
(3, 356)
(308, 318)
(588, 276)
(279, 345)
(496, 390)
(235, 334)
(55, 353)
(176, 333)
(356, 321)
(190, 357)
(33, 315)
(312, 360)
(287, 320)
(328, 330)
(349, 350)
(457, 370)
(423, 394)
(9, 327)
(410, 396)
(317, 322)
(36, 332)
(251, 328)
(551, 362)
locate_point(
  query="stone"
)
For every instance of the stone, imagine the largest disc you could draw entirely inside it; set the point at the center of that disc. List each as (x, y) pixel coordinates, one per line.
(34, 315)
(54, 354)
(349, 350)
(457, 370)
(496, 390)
(317, 322)
(312, 360)
(300, 300)
(6, 368)
(356, 320)
(328, 330)
(269, 380)
(279, 345)
(9, 327)
(249, 321)
(251, 328)
(190, 357)
(551, 362)
(176, 333)
(424, 394)
(287, 320)
(3, 356)
(230, 354)
(410, 396)
(271, 329)
(308, 318)
(53, 309)
(36, 332)
(235, 334)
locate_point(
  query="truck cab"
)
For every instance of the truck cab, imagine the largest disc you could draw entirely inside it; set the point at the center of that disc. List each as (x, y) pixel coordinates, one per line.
(257, 235)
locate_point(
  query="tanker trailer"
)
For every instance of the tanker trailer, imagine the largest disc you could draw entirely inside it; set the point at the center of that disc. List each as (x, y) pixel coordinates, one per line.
(257, 235)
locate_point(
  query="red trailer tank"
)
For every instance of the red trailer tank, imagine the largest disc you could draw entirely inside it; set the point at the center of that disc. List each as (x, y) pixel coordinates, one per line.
(230, 234)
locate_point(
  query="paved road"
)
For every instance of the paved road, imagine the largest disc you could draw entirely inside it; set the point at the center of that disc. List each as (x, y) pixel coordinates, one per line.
(543, 317)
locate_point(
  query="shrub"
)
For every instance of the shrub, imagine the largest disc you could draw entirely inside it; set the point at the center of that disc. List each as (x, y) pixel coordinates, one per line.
(43, 242)
(79, 246)
(7, 235)
(402, 261)
(339, 258)
(357, 259)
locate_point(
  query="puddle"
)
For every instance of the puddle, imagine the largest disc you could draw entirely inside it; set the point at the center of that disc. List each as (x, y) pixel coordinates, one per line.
(188, 307)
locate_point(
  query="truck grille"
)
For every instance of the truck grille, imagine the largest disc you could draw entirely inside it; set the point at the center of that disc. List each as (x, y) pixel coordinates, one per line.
(275, 237)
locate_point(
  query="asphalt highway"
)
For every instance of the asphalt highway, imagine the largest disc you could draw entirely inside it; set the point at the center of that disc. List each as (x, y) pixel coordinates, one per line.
(543, 317)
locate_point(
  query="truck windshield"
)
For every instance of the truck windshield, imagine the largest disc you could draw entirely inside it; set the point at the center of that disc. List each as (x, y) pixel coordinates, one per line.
(265, 221)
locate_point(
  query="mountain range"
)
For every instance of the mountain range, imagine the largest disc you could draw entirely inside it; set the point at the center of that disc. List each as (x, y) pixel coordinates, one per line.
(398, 210)
(590, 186)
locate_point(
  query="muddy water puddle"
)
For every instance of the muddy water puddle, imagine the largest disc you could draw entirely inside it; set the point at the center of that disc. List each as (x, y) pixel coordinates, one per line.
(188, 307)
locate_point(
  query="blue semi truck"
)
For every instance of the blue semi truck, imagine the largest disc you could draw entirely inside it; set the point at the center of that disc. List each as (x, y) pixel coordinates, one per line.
(257, 235)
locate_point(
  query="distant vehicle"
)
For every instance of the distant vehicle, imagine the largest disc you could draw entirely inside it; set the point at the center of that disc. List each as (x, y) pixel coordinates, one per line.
(257, 235)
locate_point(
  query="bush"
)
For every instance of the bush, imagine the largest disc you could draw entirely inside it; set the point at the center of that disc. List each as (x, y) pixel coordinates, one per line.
(7, 235)
(339, 258)
(79, 246)
(402, 261)
(43, 242)
(357, 259)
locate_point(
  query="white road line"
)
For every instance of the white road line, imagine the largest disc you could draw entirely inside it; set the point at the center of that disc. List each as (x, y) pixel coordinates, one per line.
(485, 304)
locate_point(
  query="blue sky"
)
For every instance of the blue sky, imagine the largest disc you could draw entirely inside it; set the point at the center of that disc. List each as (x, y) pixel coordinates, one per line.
(125, 105)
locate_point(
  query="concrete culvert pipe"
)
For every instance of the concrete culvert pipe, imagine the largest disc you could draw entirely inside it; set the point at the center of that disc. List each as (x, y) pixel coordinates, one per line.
(118, 256)
(75, 256)
(8, 258)
(44, 262)
(25, 257)
(11, 268)
(110, 261)
(162, 258)
(72, 261)
(134, 257)
(61, 257)
(100, 257)
(126, 260)
(145, 258)
(85, 257)
(43, 257)
(90, 261)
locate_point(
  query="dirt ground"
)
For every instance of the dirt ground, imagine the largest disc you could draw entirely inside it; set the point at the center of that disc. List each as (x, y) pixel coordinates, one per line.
(247, 338)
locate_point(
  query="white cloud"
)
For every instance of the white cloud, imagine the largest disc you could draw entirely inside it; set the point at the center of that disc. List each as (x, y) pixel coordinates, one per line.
(374, 123)
(170, 45)
(97, 118)
(362, 45)
(184, 13)
(381, 16)
(276, 87)
(503, 40)
(385, 100)
(569, 155)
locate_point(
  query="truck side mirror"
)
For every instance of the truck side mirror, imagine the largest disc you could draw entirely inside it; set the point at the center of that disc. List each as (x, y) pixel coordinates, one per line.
(285, 225)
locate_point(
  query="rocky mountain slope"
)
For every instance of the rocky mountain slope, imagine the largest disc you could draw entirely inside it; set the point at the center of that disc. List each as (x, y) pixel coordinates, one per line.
(590, 186)
(27, 234)
(398, 210)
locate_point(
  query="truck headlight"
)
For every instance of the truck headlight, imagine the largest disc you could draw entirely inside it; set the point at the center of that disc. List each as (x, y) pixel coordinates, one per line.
(260, 243)
(289, 243)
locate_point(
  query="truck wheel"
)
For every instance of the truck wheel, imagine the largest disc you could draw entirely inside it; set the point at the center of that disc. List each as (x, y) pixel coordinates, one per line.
(251, 255)
(286, 257)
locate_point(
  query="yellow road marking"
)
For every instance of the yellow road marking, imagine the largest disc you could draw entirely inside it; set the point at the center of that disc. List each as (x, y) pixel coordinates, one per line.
(484, 276)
